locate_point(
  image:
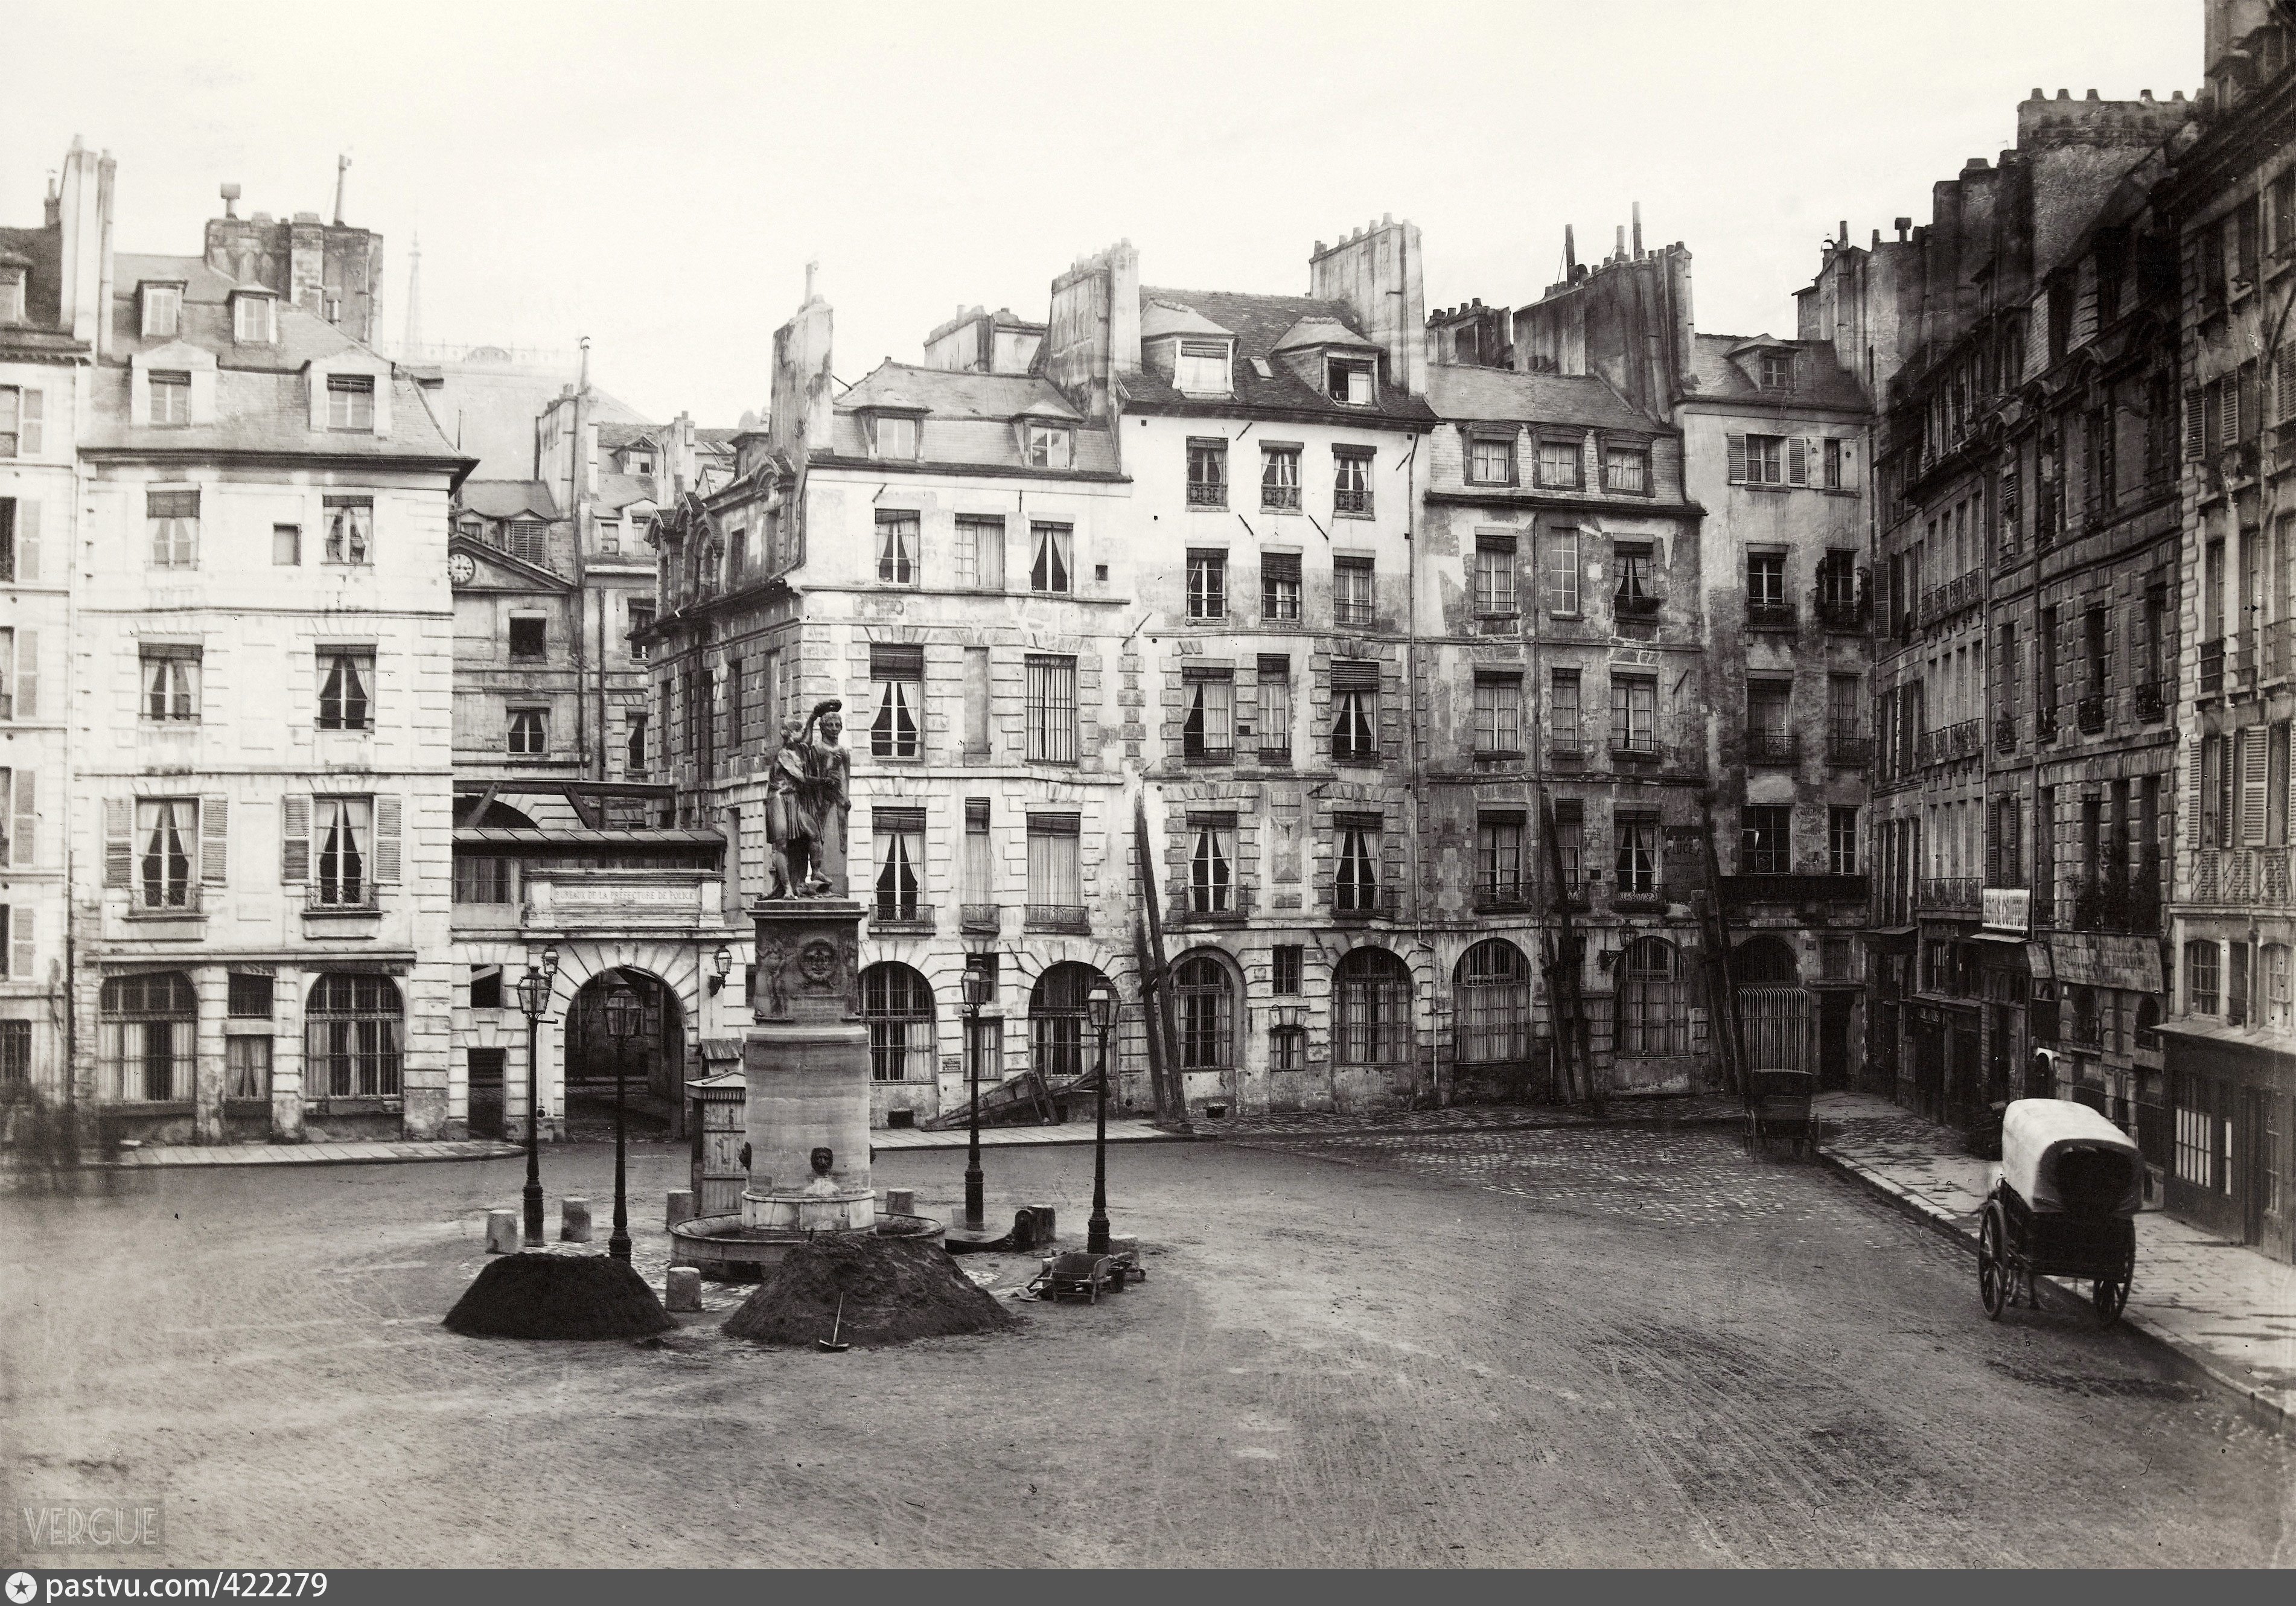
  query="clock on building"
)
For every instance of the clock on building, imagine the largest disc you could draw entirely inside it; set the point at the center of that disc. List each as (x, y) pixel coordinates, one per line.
(461, 567)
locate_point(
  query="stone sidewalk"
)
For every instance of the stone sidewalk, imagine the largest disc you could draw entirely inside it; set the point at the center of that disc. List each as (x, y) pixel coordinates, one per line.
(311, 1154)
(886, 1139)
(1654, 1111)
(2226, 1310)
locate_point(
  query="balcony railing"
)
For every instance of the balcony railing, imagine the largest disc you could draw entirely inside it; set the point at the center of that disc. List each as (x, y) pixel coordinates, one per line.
(1847, 615)
(1057, 917)
(1638, 608)
(1197, 752)
(2004, 733)
(1946, 892)
(2212, 655)
(1212, 906)
(2149, 699)
(2090, 712)
(342, 897)
(1277, 753)
(1945, 600)
(900, 911)
(1628, 890)
(2242, 877)
(1344, 501)
(981, 919)
(2114, 902)
(1634, 744)
(1349, 610)
(171, 903)
(1770, 615)
(1849, 748)
(1772, 747)
(1502, 898)
(1366, 903)
(1566, 745)
(1207, 493)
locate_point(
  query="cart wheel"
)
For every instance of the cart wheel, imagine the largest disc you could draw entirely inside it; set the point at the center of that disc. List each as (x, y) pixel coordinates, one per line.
(2111, 1299)
(1994, 1276)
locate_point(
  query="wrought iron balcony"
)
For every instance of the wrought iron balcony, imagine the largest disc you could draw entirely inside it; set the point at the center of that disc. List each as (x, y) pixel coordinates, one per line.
(2243, 877)
(1772, 747)
(1345, 501)
(1196, 751)
(147, 900)
(2090, 713)
(1057, 917)
(1849, 748)
(1770, 615)
(981, 919)
(2004, 733)
(1946, 892)
(1846, 615)
(900, 911)
(1366, 903)
(2151, 700)
(1212, 906)
(1502, 898)
(1207, 493)
(1629, 889)
(2212, 657)
(342, 897)
(1276, 753)
(1566, 745)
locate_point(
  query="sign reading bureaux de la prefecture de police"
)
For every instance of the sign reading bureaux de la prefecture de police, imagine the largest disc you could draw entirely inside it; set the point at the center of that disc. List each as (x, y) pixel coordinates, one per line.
(2006, 909)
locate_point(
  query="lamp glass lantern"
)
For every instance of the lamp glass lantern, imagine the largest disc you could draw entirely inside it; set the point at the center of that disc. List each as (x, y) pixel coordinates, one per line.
(622, 1012)
(1100, 1006)
(977, 987)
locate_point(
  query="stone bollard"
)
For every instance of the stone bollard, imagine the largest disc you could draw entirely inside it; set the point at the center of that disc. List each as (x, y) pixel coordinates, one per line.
(900, 1201)
(683, 1288)
(577, 1221)
(681, 1208)
(502, 1232)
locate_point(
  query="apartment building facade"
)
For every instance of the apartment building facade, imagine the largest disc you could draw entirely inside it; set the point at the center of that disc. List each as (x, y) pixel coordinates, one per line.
(2229, 1036)
(262, 770)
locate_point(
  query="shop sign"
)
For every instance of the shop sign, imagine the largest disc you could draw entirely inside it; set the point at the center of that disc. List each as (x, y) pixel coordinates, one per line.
(2006, 909)
(2092, 959)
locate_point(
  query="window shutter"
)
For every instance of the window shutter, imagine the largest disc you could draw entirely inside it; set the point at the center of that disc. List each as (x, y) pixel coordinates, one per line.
(1737, 460)
(2228, 387)
(1796, 461)
(28, 541)
(27, 674)
(295, 837)
(2196, 427)
(23, 952)
(1993, 843)
(385, 839)
(1353, 674)
(2251, 787)
(215, 831)
(24, 833)
(2286, 368)
(118, 843)
(28, 426)
(2196, 767)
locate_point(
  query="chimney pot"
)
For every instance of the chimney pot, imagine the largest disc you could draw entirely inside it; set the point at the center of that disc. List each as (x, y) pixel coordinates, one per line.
(2092, 94)
(1387, 220)
(2036, 94)
(2065, 95)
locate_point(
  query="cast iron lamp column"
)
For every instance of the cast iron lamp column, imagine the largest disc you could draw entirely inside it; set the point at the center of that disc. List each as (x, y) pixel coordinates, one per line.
(1100, 1006)
(533, 991)
(977, 987)
(623, 1013)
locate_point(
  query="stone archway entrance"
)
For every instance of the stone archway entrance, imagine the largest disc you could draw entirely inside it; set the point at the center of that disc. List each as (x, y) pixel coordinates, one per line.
(656, 1063)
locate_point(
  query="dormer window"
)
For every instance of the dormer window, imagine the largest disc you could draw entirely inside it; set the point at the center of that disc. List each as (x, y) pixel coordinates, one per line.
(894, 435)
(1777, 370)
(163, 311)
(1048, 445)
(350, 402)
(12, 295)
(1349, 379)
(171, 398)
(1202, 369)
(254, 319)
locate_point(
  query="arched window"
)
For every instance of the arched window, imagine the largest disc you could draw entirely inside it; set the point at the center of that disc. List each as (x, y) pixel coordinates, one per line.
(1371, 1009)
(1057, 1027)
(1494, 987)
(1767, 962)
(148, 1024)
(897, 1006)
(1207, 1000)
(351, 1037)
(1653, 1000)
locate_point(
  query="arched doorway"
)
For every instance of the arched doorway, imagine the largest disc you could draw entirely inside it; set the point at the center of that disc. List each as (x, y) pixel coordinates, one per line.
(1204, 989)
(655, 1067)
(1492, 985)
(1058, 1029)
(1371, 1009)
(1767, 962)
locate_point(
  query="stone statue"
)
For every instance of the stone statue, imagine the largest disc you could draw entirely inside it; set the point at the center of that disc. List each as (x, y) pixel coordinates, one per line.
(829, 798)
(790, 829)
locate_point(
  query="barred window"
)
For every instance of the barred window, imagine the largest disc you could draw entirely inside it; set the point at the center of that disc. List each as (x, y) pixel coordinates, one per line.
(1206, 996)
(1653, 1003)
(1371, 1009)
(1052, 709)
(1058, 1026)
(897, 1007)
(1290, 964)
(351, 1037)
(1494, 989)
(148, 1023)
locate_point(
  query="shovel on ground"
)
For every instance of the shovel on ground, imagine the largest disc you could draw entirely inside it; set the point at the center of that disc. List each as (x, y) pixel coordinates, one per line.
(836, 1325)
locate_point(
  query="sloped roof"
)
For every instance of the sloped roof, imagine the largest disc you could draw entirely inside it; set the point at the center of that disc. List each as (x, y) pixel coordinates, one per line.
(304, 336)
(1316, 329)
(1724, 369)
(1161, 318)
(507, 498)
(1500, 395)
(620, 490)
(1259, 322)
(491, 411)
(263, 413)
(948, 394)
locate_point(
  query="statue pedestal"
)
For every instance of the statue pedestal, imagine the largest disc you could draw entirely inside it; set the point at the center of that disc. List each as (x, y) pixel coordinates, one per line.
(807, 1066)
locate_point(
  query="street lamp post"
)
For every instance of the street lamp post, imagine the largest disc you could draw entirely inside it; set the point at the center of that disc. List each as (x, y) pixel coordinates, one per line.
(533, 991)
(977, 987)
(623, 1013)
(1100, 1006)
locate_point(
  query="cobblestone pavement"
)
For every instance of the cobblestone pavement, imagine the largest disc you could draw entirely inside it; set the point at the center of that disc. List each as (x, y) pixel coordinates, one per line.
(1690, 1109)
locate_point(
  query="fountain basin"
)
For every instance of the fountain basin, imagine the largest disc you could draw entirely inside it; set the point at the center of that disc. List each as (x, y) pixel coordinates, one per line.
(725, 1250)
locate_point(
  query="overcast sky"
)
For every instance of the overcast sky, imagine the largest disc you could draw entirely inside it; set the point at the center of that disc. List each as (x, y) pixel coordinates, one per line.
(656, 177)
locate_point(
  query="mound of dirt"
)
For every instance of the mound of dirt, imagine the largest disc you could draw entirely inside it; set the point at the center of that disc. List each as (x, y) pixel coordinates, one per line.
(894, 1290)
(558, 1297)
